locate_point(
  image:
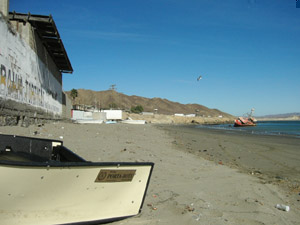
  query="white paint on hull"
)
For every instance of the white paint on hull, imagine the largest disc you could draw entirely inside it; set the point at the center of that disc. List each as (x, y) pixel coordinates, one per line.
(57, 195)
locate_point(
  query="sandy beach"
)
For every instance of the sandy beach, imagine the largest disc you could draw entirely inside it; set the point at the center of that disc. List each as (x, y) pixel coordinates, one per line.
(200, 176)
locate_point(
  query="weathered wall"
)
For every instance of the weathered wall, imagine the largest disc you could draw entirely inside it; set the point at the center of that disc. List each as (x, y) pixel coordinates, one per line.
(66, 107)
(27, 34)
(4, 5)
(30, 85)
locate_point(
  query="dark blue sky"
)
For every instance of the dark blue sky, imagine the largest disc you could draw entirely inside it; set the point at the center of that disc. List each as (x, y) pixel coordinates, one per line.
(247, 51)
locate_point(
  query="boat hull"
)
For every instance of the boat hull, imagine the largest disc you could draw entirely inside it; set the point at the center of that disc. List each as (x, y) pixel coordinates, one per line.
(134, 121)
(43, 182)
(89, 121)
(244, 122)
(70, 194)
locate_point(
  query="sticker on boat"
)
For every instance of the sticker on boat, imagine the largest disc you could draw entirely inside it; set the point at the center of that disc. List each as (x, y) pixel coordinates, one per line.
(115, 175)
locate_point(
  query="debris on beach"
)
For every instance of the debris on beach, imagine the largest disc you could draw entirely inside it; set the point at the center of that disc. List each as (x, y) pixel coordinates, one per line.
(151, 206)
(197, 217)
(282, 207)
(189, 208)
(255, 172)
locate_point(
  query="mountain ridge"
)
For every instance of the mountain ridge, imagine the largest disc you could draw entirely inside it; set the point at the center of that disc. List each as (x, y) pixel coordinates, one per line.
(281, 115)
(113, 99)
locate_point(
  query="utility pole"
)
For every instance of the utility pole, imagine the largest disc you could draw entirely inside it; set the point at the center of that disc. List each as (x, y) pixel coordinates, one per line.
(113, 87)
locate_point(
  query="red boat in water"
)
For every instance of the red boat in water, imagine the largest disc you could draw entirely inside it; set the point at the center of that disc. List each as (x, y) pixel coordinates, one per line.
(242, 122)
(246, 121)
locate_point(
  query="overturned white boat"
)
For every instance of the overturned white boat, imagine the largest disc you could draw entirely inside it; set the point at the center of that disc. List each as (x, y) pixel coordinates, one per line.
(88, 121)
(131, 121)
(43, 182)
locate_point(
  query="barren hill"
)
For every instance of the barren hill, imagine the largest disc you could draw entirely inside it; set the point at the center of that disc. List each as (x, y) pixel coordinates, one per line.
(113, 99)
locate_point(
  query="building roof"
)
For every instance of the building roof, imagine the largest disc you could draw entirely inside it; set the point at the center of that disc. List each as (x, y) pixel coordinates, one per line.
(47, 31)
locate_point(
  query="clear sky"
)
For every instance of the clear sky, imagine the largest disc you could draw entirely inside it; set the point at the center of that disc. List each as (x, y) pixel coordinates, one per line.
(247, 51)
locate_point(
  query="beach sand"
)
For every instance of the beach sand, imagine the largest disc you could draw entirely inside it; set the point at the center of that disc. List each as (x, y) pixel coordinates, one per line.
(200, 176)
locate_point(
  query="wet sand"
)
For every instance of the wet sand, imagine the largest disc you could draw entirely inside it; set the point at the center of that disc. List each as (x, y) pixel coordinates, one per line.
(200, 176)
(272, 158)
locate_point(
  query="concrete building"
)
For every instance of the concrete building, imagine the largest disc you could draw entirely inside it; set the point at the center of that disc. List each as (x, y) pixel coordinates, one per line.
(32, 61)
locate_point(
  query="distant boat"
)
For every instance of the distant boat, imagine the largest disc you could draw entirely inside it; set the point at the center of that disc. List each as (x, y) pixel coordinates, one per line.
(131, 121)
(246, 121)
(110, 122)
(242, 122)
(88, 121)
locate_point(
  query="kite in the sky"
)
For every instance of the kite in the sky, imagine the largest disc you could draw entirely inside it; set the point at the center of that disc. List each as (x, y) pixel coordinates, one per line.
(199, 78)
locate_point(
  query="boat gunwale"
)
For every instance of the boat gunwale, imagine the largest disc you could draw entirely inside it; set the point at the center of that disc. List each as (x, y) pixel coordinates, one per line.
(72, 164)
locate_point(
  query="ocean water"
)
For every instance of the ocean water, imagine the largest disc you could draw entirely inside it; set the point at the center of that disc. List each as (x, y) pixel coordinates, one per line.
(282, 128)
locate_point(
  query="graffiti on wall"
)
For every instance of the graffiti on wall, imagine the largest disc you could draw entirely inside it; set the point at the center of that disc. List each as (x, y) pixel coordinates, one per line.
(24, 78)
